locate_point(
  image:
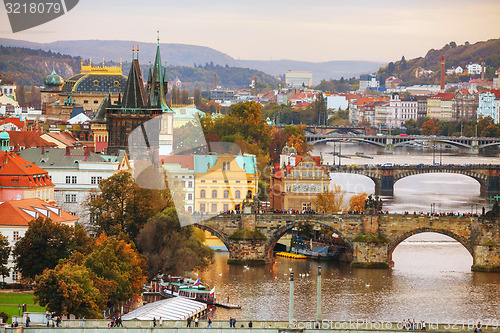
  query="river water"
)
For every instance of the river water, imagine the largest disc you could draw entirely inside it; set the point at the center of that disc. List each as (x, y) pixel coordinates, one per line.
(431, 279)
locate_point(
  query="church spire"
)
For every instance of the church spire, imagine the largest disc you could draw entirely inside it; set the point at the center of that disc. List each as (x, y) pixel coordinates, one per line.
(157, 92)
(134, 95)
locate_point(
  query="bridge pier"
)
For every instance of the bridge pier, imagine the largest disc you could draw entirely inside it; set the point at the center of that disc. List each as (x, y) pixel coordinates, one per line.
(387, 183)
(493, 181)
(389, 147)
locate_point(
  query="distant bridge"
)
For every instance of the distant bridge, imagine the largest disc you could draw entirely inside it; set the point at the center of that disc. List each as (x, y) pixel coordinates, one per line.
(384, 177)
(329, 130)
(388, 142)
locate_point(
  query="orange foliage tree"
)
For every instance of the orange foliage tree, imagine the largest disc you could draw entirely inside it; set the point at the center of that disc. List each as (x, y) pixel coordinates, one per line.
(332, 201)
(357, 202)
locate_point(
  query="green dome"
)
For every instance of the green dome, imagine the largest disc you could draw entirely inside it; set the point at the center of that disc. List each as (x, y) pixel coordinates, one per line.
(4, 135)
(53, 80)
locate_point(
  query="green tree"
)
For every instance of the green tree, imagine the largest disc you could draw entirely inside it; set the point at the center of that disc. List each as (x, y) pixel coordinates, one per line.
(491, 131)
(319, 109)
(69, 289)
(118, 268)
(4, 256)
(43, 245)
(184, 97)
(170, 248)
(197, 97)
(122, 206)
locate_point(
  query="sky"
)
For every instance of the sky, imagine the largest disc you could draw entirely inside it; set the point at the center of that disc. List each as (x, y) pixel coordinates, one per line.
(314, 30)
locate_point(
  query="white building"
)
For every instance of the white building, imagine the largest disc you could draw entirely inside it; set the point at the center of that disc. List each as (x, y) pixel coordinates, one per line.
(298, 79)
(180, 177)
(474, 69)
(8, 90)
(337, 102)
(454, 71)
(368, 81)
(488, 105)
(402, 110)
(75, 172)
(22, 112)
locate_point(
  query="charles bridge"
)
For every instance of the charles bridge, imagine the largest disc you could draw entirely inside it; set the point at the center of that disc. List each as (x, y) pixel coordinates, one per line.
(385, 177)
(369, 239)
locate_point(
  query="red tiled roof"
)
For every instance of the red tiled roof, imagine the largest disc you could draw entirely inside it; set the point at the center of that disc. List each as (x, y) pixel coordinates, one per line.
(64, 137)
(27, 139)
(496, 92)
(186, 161)
(17, 172)
(443, 96)
(300, 105)
(21, 212)
(13, 120)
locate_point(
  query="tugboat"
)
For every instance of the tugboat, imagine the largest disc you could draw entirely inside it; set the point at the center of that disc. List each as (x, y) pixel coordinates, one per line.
(180, 286)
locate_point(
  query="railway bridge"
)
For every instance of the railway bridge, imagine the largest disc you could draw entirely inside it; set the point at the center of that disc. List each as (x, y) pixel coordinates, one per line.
(370, 239)
(385, 177)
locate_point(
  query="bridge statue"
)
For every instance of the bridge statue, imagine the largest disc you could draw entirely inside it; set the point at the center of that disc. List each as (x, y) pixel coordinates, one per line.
(373, 205)
(369, 239)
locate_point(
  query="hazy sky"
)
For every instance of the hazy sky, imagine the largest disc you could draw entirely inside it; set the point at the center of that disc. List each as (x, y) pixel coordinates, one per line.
(314, 30)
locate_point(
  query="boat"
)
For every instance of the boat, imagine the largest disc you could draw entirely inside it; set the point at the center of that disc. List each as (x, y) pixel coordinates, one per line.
(186, 287)
(317, 249)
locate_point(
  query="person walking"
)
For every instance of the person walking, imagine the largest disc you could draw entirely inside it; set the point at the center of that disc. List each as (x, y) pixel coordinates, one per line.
(189, 322)
(250, 324)
(154, 321)
(209, 322)
(196, 322)
(28, 321)
(83, 321)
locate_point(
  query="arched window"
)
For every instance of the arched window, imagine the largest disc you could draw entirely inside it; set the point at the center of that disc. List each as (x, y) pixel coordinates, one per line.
(190, 209)
(214, 193)
(228, 166)
(202, 194)
(249, 194)
(226, 194)
(237, 194)
(223, 165)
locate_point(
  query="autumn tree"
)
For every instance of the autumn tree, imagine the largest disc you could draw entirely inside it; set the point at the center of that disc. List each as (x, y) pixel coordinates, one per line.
(4, 256)
(43, 245)
(69, 288)
(170, 248)
(492, 131)
(117, 268)
(332, 201)
(123, 206)
(429, 127)
(357, 202)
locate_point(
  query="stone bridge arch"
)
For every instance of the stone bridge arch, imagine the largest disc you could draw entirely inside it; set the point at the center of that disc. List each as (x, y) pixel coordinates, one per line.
(218, 233)
(280, 232)
(393, 244)
(479, 177)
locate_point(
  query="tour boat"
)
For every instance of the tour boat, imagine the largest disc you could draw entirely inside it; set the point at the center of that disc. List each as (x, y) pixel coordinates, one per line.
(185, 287)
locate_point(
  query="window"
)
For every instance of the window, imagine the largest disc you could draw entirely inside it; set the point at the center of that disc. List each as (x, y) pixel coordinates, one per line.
(214, 194)
(214, 208)
(202, 208)
(203, 180)
(226, 207)
(15, 275)
(70, 198)
(85, 102)
(68, 179)
(15, 236)
(228, 166)
(96, 102)
(190, 184)
(202, 194)
(226, 195)
(190, 196)
(237, 194)
(95, 180)
(190, 209)
(224, 166)
(214, 181)
(73, 179)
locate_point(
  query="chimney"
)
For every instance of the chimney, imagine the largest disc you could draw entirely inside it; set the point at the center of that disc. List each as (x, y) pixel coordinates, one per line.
(482, 71)
(86, 150)
(43, 149)
(442, 73)
(68, 150)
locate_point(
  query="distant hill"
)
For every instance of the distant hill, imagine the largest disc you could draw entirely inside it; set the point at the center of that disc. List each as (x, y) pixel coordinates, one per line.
(455, 55)
(189, 55)
(30, 66)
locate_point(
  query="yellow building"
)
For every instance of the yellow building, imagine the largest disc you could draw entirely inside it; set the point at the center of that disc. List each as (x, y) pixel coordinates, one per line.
(223, 182)
(440, 107)
(296, 185)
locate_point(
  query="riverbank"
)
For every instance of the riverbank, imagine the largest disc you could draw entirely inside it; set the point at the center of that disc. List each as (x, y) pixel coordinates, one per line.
(136, 326)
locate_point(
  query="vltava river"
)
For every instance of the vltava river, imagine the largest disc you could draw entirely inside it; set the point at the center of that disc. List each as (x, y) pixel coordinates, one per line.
(431, 281)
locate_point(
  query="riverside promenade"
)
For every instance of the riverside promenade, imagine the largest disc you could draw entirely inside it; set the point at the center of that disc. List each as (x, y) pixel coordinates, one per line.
(361, 326)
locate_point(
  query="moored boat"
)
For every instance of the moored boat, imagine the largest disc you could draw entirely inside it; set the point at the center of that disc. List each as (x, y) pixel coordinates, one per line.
(185, 287)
